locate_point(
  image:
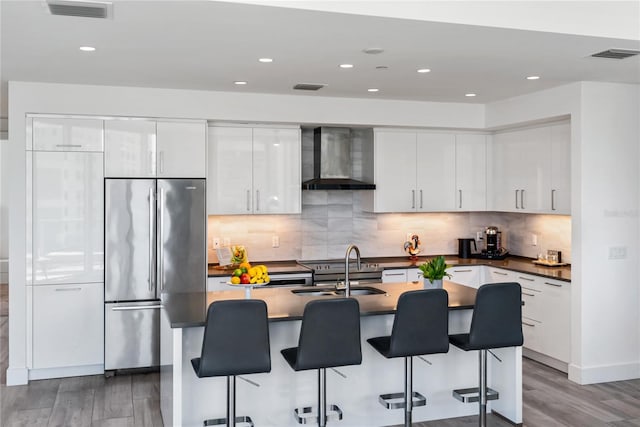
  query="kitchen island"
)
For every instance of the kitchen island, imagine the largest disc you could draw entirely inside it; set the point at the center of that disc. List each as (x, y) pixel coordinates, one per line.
(187, 400)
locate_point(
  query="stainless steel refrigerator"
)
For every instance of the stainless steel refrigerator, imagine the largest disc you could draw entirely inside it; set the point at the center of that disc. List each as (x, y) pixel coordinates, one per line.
(155, 242)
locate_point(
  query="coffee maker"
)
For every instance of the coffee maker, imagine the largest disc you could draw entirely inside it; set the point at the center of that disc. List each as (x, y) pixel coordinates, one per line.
(493, 244)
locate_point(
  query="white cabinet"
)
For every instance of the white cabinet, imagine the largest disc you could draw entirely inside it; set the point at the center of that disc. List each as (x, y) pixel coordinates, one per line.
(414, 172)
(396, 275)
(68, 325)
(181, 149)
(218, 283)
(497, 275)
(560, 194)
(557, 319)
(130, 148)
(471, 172)
(465, 275)
(67, 134)
(67, 217)
(254, 171)
(142, 148)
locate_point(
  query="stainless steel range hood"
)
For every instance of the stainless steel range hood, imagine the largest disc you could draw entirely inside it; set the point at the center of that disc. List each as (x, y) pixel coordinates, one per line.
(332, 165)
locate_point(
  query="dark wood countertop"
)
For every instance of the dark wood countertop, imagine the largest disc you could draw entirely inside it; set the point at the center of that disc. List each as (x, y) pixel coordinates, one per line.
(189, 309)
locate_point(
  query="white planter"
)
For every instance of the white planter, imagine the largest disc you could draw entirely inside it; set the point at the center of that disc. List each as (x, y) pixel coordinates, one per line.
(437, 284)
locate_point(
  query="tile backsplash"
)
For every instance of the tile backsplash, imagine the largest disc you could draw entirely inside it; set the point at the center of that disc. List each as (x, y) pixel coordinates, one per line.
(330, 220)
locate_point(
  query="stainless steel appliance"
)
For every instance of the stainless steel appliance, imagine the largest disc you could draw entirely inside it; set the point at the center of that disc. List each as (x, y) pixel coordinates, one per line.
(332, 272)
(155, 242)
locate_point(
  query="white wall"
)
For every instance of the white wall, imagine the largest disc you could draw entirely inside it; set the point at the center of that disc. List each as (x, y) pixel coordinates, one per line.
(4, 209)
(604, 178)
(27, 97)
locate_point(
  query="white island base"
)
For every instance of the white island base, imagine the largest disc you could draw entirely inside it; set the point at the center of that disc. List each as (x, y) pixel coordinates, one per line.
(187, 400)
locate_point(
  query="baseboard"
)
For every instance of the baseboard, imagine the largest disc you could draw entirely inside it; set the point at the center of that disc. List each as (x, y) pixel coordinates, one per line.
(73, 371)
(17, 376)
(545, 360)
(604, 373)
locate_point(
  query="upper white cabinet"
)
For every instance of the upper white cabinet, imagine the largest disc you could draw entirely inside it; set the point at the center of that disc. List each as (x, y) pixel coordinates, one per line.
(532, 170)
(414, 172)
(254, 170)
(139, 148)
(560, 195)
(471, 172)
(67, 134)
(67, 217)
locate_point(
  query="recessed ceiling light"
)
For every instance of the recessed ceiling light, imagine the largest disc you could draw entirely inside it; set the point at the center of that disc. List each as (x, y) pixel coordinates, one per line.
(372, 90)
(424, 70)
(87, 48)
(239, 82)
(470, 94)
(373, 50)
(346, 65)
(265, 60)
(533, 77)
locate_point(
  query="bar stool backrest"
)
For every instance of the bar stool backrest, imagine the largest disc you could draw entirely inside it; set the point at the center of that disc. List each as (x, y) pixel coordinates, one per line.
(236, 339)
(330, 334)
(421, 324)
(497, 317)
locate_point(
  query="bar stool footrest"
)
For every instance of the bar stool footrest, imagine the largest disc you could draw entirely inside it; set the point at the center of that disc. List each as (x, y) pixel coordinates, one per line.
(223, 421)
(469, 395)
(309, 414)
(396, 400)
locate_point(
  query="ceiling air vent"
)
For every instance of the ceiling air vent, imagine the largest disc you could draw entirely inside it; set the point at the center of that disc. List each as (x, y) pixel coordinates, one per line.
(309, 86)
(616, 53)
(83, 9)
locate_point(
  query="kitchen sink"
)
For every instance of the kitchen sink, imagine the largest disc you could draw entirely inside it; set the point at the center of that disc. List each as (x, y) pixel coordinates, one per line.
(355, 290)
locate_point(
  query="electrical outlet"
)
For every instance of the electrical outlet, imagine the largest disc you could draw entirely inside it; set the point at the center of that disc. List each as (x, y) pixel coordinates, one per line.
(275, 241)
(216, 242)
(226, 241)
(534, 240)
(478, 235)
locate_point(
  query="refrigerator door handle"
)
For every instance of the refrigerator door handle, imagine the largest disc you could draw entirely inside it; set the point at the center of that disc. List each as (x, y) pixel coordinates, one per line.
(161, 238)
(151, 233)
(135, 307)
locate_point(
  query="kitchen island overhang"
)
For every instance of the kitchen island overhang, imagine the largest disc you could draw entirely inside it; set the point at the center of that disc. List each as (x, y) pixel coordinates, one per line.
(187, 400)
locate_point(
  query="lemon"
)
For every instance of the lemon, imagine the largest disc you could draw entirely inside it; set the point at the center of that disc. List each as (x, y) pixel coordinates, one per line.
(235, 280)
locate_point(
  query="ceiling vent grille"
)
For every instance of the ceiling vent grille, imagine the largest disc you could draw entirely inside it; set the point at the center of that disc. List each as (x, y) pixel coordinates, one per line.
(309, 86)
(616, 53)
(82, 9)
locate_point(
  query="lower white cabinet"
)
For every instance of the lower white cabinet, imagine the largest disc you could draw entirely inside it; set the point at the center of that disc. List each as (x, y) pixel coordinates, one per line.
(218, 283)
(465, 275)
(68, 325)
(496, 275)
(394, 276)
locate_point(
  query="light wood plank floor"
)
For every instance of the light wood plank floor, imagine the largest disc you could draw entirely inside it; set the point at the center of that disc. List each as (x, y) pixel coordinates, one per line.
(550, 400)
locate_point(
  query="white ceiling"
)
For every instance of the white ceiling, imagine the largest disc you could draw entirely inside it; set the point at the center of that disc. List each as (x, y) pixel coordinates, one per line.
(208, 45)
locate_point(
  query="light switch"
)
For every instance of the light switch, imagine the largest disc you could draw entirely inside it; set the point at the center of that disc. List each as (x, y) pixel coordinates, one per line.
(275, 241)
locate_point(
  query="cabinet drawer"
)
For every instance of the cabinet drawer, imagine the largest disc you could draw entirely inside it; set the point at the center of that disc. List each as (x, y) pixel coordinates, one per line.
(218, 283)
(496, 275)
(467, 276)
(532, 331)
(394, 276)
(68, 325)
(67, 134)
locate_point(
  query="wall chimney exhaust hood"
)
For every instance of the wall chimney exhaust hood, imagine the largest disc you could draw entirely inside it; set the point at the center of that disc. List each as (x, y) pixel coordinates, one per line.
(332, 161)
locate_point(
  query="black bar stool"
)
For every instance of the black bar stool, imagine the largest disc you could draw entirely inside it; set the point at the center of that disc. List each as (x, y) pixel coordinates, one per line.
(421, 326)
(236, 342)
(496, 323)
(329, 337)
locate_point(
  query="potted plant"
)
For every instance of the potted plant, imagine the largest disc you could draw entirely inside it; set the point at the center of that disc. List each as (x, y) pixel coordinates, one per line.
(434, 271)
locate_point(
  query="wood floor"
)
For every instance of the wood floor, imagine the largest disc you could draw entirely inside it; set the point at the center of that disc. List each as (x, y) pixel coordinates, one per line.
(550, 399)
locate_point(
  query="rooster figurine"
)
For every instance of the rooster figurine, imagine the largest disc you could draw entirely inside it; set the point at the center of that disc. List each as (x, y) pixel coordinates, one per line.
(411, 247)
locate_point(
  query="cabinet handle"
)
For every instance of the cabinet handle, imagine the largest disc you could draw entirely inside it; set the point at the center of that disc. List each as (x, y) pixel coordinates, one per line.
(393, 274)
(460, 197)
(68, 289)
(420, 199)
(528, 324)
(517, 199)
(500, 273)
(521, 199)
(151, 234)
(257, 200)
(526, 278)
(413, 199)
(69, 145)
(152, 163)
(162, 162)
(530, 295)
(248, 200)
(136, 307)
(553, 284)
(553, 201)
(161, 238)
(462, 271)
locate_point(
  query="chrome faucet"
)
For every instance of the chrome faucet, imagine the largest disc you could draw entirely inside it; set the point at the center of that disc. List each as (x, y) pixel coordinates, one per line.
(346, 267)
